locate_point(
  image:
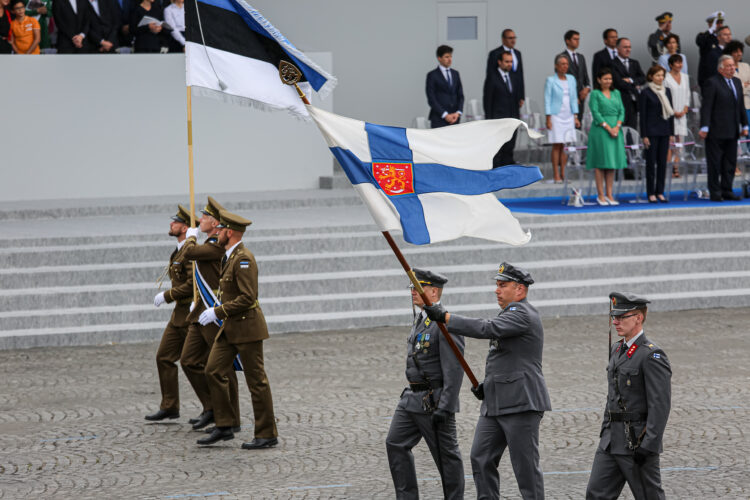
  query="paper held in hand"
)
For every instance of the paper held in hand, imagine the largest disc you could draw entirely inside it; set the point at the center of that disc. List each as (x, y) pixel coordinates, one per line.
(148, 20)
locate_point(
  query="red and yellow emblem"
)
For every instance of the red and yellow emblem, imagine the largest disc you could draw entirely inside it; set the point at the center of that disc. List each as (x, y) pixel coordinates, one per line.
(394, 178)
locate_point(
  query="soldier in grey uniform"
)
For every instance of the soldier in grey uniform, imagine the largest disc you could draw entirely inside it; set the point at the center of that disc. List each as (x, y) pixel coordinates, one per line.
(656, 39)
(514, 394)
(427, 407)
(638, 402)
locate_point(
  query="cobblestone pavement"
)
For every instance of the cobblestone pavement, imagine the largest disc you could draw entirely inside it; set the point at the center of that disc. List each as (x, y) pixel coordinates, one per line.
(71, 419)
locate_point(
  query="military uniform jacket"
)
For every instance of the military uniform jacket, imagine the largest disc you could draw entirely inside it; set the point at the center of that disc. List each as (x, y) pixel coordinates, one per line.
(656, 44)
(513, 380)
(207, 258)
(644, 381)
(243, 320)
(435, 361)
(181, 275)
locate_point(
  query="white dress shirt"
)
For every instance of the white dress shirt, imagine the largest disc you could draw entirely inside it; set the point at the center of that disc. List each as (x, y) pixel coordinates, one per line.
(174, 16)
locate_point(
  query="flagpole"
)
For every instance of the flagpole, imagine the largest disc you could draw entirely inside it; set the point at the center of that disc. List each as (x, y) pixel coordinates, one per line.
(290, 75)
(191, 175)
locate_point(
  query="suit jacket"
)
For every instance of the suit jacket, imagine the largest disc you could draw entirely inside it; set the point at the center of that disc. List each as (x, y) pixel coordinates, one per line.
(69, 23)
(243, 320)
(207, 258)
(578, 70)
(513, 379)
(181, 275)
(492, 67)
(443, 97)
(721, 112)
(105, 25)
(652, 122)
(553, 94)
(643, 380)
(709, 63)
(434, 361)
(498, 102)
(601, 59)
(635, 73)
(706, 41)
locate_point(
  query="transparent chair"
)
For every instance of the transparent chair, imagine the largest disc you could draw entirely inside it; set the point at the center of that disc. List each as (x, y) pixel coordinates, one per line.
(576, 143)
(636, 161)
(473, 111)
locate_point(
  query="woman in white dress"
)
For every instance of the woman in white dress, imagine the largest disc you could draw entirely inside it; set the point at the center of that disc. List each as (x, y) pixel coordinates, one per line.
(677, 82)
(561, 108)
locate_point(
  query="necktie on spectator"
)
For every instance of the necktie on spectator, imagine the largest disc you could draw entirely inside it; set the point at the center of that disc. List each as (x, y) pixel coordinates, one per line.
(507, 83)
(731, 86)
(575, 59)
(515, 65)
(448, 76)
(627, 64)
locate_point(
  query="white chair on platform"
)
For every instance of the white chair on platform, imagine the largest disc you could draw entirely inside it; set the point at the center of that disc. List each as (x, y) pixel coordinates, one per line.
(575, 147)
(636, 161)
(421, 122)
(473, 111)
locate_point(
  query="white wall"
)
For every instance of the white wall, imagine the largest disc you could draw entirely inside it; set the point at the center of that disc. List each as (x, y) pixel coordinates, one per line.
(112, 126)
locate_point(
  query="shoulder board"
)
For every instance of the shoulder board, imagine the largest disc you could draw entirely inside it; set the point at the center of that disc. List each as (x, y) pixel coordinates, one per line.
(212, 239)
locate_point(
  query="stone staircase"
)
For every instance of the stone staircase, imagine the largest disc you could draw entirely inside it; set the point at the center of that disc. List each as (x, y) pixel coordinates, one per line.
(92, 289)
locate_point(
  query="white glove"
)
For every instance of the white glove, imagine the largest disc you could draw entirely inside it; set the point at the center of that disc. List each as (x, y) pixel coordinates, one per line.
(192, 232)
(192, 306)
(207, 316)
(159, 299)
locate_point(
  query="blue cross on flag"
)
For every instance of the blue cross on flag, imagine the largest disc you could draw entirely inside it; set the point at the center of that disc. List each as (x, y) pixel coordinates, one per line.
(433, 185)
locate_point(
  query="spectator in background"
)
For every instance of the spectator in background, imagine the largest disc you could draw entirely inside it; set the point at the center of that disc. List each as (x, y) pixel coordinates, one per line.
(147, 37)
(72, 24)
(679, 85)
(723, 114)
(174, 15)
(657, 125)
(502, 99)
(603, 58)
(445, 94)
(41, 10)
(658, 39)
(577, 68)
(735, 49)
(125, 10)
(672, 45)
(25, 32)
(5, 33)
(606, 147)
(104, 26)
(706, 42)
(628, 78)
(509, 45)
(723, 37)
(561, 107)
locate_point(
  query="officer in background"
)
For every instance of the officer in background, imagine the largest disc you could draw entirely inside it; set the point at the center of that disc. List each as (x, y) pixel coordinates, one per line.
(200, 338)
(242, 332)
(173, 338)
(637, 408)
(427, 407)
(656, 39)
(514, 394)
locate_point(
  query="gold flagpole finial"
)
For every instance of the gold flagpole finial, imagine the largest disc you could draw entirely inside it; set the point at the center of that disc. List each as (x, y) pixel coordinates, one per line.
(290, 75)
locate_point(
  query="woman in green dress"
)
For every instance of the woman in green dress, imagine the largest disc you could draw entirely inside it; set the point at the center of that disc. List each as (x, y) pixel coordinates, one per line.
(606, 148)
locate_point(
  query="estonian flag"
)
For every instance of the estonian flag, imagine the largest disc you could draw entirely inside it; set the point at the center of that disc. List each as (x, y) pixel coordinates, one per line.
(233, 53)
(433, 185)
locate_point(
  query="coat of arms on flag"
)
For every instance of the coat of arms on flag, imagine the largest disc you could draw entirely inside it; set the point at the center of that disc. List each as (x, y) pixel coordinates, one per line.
(394, 178)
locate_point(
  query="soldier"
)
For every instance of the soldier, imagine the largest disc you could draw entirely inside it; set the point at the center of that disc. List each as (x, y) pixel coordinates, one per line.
(708, 42)
(242, 331)
(427, 407)
(200, 338)
(656, 39)
(636, 411)
(514, 394)
(174, 334)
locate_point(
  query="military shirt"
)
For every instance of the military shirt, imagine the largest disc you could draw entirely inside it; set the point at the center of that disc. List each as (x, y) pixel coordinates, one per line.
(181, 275)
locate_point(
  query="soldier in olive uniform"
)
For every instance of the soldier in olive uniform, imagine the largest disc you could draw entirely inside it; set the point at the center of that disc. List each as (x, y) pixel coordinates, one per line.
(200, 338)
(514, 394)
(638, 402)
(242, 331)
(428, 406)
(656, 39)
(174, 334)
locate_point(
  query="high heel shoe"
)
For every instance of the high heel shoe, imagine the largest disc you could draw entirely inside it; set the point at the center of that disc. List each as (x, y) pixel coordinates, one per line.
(612, 202)
(602, 202)
(662, 199)
(652, 199)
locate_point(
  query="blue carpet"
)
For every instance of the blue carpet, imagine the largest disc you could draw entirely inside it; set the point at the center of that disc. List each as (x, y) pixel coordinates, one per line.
(554, 204)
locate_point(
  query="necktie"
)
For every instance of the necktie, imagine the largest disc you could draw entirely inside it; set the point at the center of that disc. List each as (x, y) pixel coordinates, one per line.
(575, 59)
(627, 64)
(223, 261)
(612, 53)
(731, 86)
(507, 83)
(448, 77)
(623, 348)
(515, 65)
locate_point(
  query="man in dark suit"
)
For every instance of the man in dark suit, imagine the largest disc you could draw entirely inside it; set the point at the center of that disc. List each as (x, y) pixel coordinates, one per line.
(711, 59)
(72, 19)
(627, 77)
(444, 92)
(604, 57)
(509, 45)
(707, 42)
(104, 26)
(577, 67)
(722, 116)
(502, 99)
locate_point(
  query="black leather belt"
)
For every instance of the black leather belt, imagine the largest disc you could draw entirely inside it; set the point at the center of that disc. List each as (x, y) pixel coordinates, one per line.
(626, 416)
(424, 387)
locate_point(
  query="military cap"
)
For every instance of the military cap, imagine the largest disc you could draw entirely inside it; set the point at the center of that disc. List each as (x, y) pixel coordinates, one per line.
(508, 272)
(233, 221)
(212, 208)
(182, 215)
(663, 18)
(718, 14)
(624, 302)
(428, 278)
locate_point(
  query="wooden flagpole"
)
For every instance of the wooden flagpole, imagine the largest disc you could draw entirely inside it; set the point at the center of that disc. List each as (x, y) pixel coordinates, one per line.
(290, 75)
(191, 174)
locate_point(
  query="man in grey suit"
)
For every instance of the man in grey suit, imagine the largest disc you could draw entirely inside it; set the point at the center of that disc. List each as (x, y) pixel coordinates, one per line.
(514, 394)
(428, 406)
(577, 67)
(637, 408)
